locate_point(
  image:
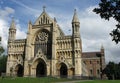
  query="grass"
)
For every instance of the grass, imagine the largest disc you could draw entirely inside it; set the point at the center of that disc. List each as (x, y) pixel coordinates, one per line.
(50, 80)
(32, 80)
(101, 81)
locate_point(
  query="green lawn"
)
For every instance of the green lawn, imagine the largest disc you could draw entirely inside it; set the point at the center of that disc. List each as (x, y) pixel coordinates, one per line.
(32, 80)
(50, 80)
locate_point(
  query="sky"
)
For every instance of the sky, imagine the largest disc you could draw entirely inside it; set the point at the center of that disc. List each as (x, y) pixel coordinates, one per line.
(94, 31)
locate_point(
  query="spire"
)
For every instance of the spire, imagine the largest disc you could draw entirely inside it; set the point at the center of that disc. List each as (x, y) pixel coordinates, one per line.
(102, 50)
(55, 19)
(44, 8)
(75, 17)
(12, 31)
(29, 25)
(30, 22)
(12, 26)
(102, 46)
(75, 25)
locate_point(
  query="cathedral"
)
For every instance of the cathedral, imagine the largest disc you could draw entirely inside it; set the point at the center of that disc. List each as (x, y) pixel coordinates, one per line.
(47, 51)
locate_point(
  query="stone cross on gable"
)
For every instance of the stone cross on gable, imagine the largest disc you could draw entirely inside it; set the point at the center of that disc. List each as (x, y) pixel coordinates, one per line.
(44, 8)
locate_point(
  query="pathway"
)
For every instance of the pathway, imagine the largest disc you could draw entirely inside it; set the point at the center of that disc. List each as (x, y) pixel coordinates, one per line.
(74, 81)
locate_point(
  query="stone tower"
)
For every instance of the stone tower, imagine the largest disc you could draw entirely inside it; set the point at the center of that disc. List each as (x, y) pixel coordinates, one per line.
(102, 58)
(77, 48)
(11, 39)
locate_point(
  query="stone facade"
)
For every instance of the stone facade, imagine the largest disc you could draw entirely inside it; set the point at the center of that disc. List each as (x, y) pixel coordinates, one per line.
(47, 51)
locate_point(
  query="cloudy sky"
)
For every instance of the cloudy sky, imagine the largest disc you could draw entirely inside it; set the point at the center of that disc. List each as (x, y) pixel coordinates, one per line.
(94, 30)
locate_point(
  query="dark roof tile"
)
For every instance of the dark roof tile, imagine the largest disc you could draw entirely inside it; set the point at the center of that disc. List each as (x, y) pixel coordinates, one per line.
(91, 54)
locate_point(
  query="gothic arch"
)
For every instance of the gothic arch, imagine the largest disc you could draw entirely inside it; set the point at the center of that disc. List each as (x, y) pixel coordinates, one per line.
(59, 64)
(38, 56)
(19, 70)
(62, 69)
(40, 67)
(42, 40)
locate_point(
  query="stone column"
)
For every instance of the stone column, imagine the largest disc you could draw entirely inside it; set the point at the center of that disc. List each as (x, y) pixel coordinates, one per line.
(26, 69)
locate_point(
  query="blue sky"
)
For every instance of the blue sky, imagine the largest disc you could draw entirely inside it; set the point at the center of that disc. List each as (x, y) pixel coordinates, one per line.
(94, 30)
(26, 10)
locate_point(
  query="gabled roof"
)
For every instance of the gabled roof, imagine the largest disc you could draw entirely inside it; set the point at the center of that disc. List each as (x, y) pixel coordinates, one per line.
(44, 18)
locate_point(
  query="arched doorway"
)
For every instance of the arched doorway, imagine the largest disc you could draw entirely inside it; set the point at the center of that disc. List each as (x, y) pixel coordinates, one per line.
(41, 69)
(19, 70)
(63, 70)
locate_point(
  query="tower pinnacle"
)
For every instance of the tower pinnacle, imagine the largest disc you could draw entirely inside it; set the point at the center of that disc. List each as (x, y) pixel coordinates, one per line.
(12, 31)
(102, 46)
(75, 17)
(75, 25)
(44, 8)
(12, 26)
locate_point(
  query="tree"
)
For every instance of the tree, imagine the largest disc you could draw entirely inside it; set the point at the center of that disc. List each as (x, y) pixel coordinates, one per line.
(108, 9)
(3, 60)
(1, 50)
(112, 70)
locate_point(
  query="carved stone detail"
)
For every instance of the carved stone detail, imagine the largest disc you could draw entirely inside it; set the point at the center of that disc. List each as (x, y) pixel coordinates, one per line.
(42, 36)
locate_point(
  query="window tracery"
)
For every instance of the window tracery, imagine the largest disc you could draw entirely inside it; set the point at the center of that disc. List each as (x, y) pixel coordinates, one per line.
(43, 36)
(43, 42)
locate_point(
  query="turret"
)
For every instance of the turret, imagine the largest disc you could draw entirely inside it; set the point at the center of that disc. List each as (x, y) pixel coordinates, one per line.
(29, 27)
(12, 31)
(75, 25)
(102, 50)
(76, 45)
(102, 61)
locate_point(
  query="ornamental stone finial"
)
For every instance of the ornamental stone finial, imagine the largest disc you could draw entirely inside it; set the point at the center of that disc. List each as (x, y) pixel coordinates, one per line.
(44, 8)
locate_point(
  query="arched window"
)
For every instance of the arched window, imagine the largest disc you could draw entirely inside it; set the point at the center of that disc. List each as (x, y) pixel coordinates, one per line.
(43, 42)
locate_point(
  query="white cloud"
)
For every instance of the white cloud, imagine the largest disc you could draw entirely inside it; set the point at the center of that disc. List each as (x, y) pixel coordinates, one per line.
(95, 32)
(4, 33)
(64, 21)
(20, 34)
(4, 25)
(4, 13)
